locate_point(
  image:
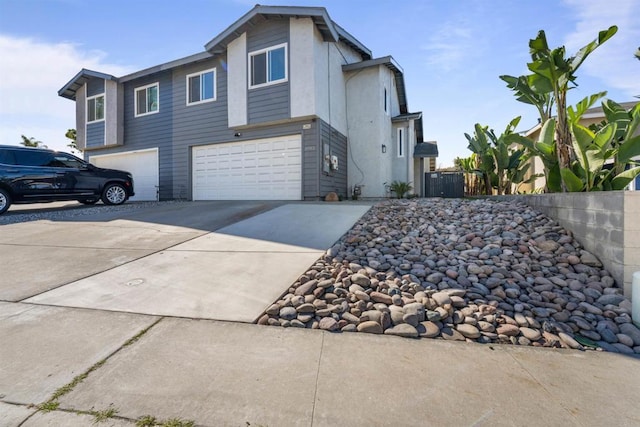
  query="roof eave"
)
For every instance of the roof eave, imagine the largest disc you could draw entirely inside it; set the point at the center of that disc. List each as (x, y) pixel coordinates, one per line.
(318, 14)
(69, 90)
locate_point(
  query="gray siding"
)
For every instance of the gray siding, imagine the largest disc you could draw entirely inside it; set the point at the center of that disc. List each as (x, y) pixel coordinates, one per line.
(95, 87)
(268, 103)
(197, 124)
(153, 130)
(177, 127)
(335, 180)
(95, 134)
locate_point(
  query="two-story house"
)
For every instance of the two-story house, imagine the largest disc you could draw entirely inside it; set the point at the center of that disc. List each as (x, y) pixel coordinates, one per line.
(284, 104)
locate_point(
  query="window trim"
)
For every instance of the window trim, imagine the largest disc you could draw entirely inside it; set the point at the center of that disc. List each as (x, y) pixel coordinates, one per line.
(400, 143)
(267, 50)
(215, 86)
(104, 112)
(135, 99)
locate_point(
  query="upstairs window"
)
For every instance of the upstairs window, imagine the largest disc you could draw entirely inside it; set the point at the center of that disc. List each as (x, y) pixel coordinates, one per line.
(268, 66)
(201, 87)
(95, 108)
(146, 100)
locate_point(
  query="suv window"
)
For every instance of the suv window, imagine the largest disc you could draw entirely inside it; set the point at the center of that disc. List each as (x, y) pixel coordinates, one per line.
(6, 157)
(63, 161)
(32, 158)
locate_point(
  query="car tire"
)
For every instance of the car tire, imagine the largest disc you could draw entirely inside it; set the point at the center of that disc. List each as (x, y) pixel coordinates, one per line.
(89, 201)
(5, 201)
(114, 194)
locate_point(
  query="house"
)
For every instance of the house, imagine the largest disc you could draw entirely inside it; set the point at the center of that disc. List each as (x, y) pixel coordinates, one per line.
(284, 104)
(591, 116)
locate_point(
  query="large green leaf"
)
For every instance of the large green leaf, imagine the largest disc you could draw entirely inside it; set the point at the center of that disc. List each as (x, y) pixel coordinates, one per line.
(635, 121)
(548, 132)
(604, 136)
(582, 54)
(582, 139)
(554, 179)
(629, 149)
(540, 84)
(582, 106)
(571, 181)
(623, 179)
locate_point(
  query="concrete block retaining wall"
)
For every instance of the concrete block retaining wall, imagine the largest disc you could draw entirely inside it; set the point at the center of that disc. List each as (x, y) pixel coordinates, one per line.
(607, 224)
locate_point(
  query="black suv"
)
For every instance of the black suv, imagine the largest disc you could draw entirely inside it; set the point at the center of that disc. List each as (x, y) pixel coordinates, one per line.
(33, 175)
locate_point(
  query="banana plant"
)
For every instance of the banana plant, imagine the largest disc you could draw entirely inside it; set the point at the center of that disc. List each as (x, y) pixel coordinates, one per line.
(479, 144)
(554, 73)
(614, 145)
(544, 148)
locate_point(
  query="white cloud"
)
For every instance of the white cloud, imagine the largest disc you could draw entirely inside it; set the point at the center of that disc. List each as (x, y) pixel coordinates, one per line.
(613, 62)
(31, 73)
(450, 45)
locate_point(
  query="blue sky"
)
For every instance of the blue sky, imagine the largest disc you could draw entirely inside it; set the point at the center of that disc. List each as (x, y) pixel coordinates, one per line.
(452, 52)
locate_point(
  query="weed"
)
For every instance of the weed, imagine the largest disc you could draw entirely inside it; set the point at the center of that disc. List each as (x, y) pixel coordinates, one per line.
(146, 421)
(177, 422)
(100, 416)
(48, 406)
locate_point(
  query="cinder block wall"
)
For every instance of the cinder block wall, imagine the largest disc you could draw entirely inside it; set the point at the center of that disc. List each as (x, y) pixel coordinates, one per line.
(606, 223)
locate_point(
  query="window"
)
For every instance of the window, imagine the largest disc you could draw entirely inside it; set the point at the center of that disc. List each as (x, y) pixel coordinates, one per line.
(400, 143)
(385, 100)
(268, 66)
(201, 87)
(146, 100)
(95, 108)
(33, 158)
(61, 160)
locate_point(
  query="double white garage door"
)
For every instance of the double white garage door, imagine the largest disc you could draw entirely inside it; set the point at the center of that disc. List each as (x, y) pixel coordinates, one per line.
(264, 169)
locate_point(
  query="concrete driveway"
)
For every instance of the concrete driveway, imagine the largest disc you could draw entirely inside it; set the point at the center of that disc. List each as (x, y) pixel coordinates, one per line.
(210, 260)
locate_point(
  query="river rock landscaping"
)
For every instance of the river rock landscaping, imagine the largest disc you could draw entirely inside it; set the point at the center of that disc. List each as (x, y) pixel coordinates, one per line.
(464, 270)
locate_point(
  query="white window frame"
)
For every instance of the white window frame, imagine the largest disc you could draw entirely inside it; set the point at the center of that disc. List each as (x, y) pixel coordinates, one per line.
(400, 142)
(215, 86)
(104, 112)
(135, 99)
(267, 50)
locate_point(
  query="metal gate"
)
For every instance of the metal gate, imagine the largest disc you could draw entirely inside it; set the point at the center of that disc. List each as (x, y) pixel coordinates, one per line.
(444, 184)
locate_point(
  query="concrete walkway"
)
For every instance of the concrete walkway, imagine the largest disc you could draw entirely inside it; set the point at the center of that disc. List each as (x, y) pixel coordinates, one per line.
(146, 342)
(234, 374)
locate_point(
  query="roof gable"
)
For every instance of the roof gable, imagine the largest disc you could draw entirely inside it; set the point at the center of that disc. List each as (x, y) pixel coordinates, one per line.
(330, 31)
(69, 90)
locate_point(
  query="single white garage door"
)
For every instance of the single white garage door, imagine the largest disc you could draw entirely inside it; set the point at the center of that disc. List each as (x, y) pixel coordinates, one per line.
(261, 169)
(143, 165)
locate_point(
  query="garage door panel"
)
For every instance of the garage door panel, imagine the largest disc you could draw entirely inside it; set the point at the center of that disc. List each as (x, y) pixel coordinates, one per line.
(143, 165)
(250, 170)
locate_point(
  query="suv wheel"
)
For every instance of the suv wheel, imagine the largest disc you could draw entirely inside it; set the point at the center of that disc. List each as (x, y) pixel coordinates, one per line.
(5, 201)
(114, 194)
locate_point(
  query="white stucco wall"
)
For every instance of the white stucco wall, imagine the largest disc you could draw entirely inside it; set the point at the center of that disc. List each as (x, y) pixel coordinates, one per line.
(302, 67)
(111, 113)
(237, 81)
(369, 128)
(81, 117)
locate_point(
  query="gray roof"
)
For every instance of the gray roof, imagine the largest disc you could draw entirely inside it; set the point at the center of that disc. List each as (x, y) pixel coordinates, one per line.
(69, 90)
(426, 149)
(417, 117)
(330, 30)
(391, 64)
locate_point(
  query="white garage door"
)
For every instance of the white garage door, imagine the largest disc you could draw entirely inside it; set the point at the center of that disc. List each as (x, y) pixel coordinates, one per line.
(261, 169)
(143, 165)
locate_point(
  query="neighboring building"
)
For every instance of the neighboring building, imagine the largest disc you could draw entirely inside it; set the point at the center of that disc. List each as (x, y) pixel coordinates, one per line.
(284, 104)
(591, 116)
